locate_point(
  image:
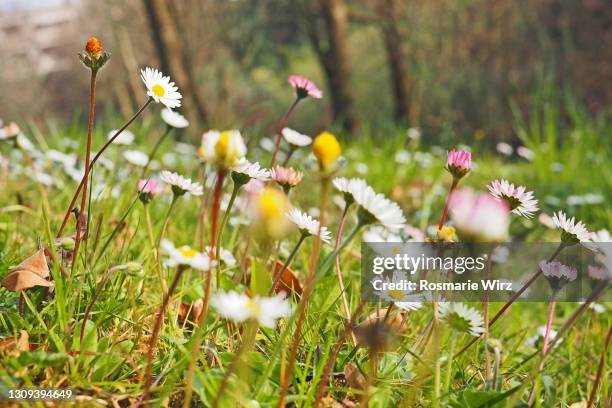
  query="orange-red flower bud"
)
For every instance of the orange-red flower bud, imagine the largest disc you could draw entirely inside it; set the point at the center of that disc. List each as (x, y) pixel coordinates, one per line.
(94, 47)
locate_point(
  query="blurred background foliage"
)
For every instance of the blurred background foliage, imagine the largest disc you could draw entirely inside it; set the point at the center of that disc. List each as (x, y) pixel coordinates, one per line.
(461, 70)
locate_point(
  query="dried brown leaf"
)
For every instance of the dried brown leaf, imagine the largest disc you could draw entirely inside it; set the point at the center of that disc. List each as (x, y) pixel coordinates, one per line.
(23, 279)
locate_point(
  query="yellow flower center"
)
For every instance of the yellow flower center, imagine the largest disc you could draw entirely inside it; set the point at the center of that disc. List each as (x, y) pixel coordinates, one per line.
(326, 149)
(187, 252)
(447, 234)
(396, 294)
(221, 148)
(255, 307)
(202, 151)
(158, 90)
(271, 204)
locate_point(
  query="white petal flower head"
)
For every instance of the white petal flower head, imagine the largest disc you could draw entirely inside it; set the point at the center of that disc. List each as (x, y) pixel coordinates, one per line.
(557, 270)
(240, 307)
(160, 88)
(185, 255)
(295, 138)
(572, 231)
(539, 336)
(136, 157)
(245, 171)
(462, 318)
(479, 217)
(223, 148)
(375, 207)
(181, 185)
(125, 138)
(308, 225)
(521, 202)
(225, 256)
(174, 119)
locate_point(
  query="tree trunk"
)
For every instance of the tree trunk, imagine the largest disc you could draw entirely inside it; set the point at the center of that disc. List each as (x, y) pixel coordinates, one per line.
(169, 50)
(334, 60)
(385, 9)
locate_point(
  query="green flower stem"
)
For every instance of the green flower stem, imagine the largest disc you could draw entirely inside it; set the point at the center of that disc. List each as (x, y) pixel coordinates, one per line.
(292, 150)
(228, 210)
(449, 366)
(279, 275)
(155, 149)
(248, 342)
(165, 224)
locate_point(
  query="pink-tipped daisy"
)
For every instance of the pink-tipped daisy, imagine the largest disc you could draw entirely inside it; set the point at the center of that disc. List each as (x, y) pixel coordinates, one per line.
(286, 177)
(572, 231)
(304, 87)
(148, 186)
(459, 163)
(521, 202)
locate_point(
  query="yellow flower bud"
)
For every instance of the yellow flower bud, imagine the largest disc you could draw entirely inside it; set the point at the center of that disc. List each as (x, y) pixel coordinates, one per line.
(326, 149)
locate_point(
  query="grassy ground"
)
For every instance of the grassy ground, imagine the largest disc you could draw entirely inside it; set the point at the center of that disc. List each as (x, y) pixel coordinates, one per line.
(109, 363)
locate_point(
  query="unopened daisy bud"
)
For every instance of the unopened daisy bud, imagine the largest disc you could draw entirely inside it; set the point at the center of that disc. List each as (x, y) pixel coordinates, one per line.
(286, 177)
(327, 150)
(67, 244)
(447, 234)
(94, 56)
(133, 268)
(459, 163)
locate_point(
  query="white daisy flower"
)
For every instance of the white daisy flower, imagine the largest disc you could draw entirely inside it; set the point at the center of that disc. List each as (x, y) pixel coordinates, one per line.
(160, 88)
(223, 148)
(534, 341)
(462, 318)
(225, 256)
(308, 225)
(181, 185)
(505, 149)
(376, 207)
(249, 170)
(557, 270)
(136, 157)
(572, 231)
(602, 235)
(174, 119)
(239, 307)
(125, 138)
(295, 138)
(521, 202)
(67, 160)
(24, 143)
(184, 255)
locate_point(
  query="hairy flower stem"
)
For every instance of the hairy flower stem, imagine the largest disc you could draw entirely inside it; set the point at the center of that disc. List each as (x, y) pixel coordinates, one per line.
(197, 338)
(157, 329)
(228, 210)
(282, 125)
(247, 344)
(95, 297)
(449, 364)
(600, 369)
(450, 193)
(162, 231)
(282, 270)
(485, 313)
(347, 311)
(551, 314)
(93, 162)
(514, 297)
(90, 124)
(314, 260)
(154, 150)
(435, 330)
